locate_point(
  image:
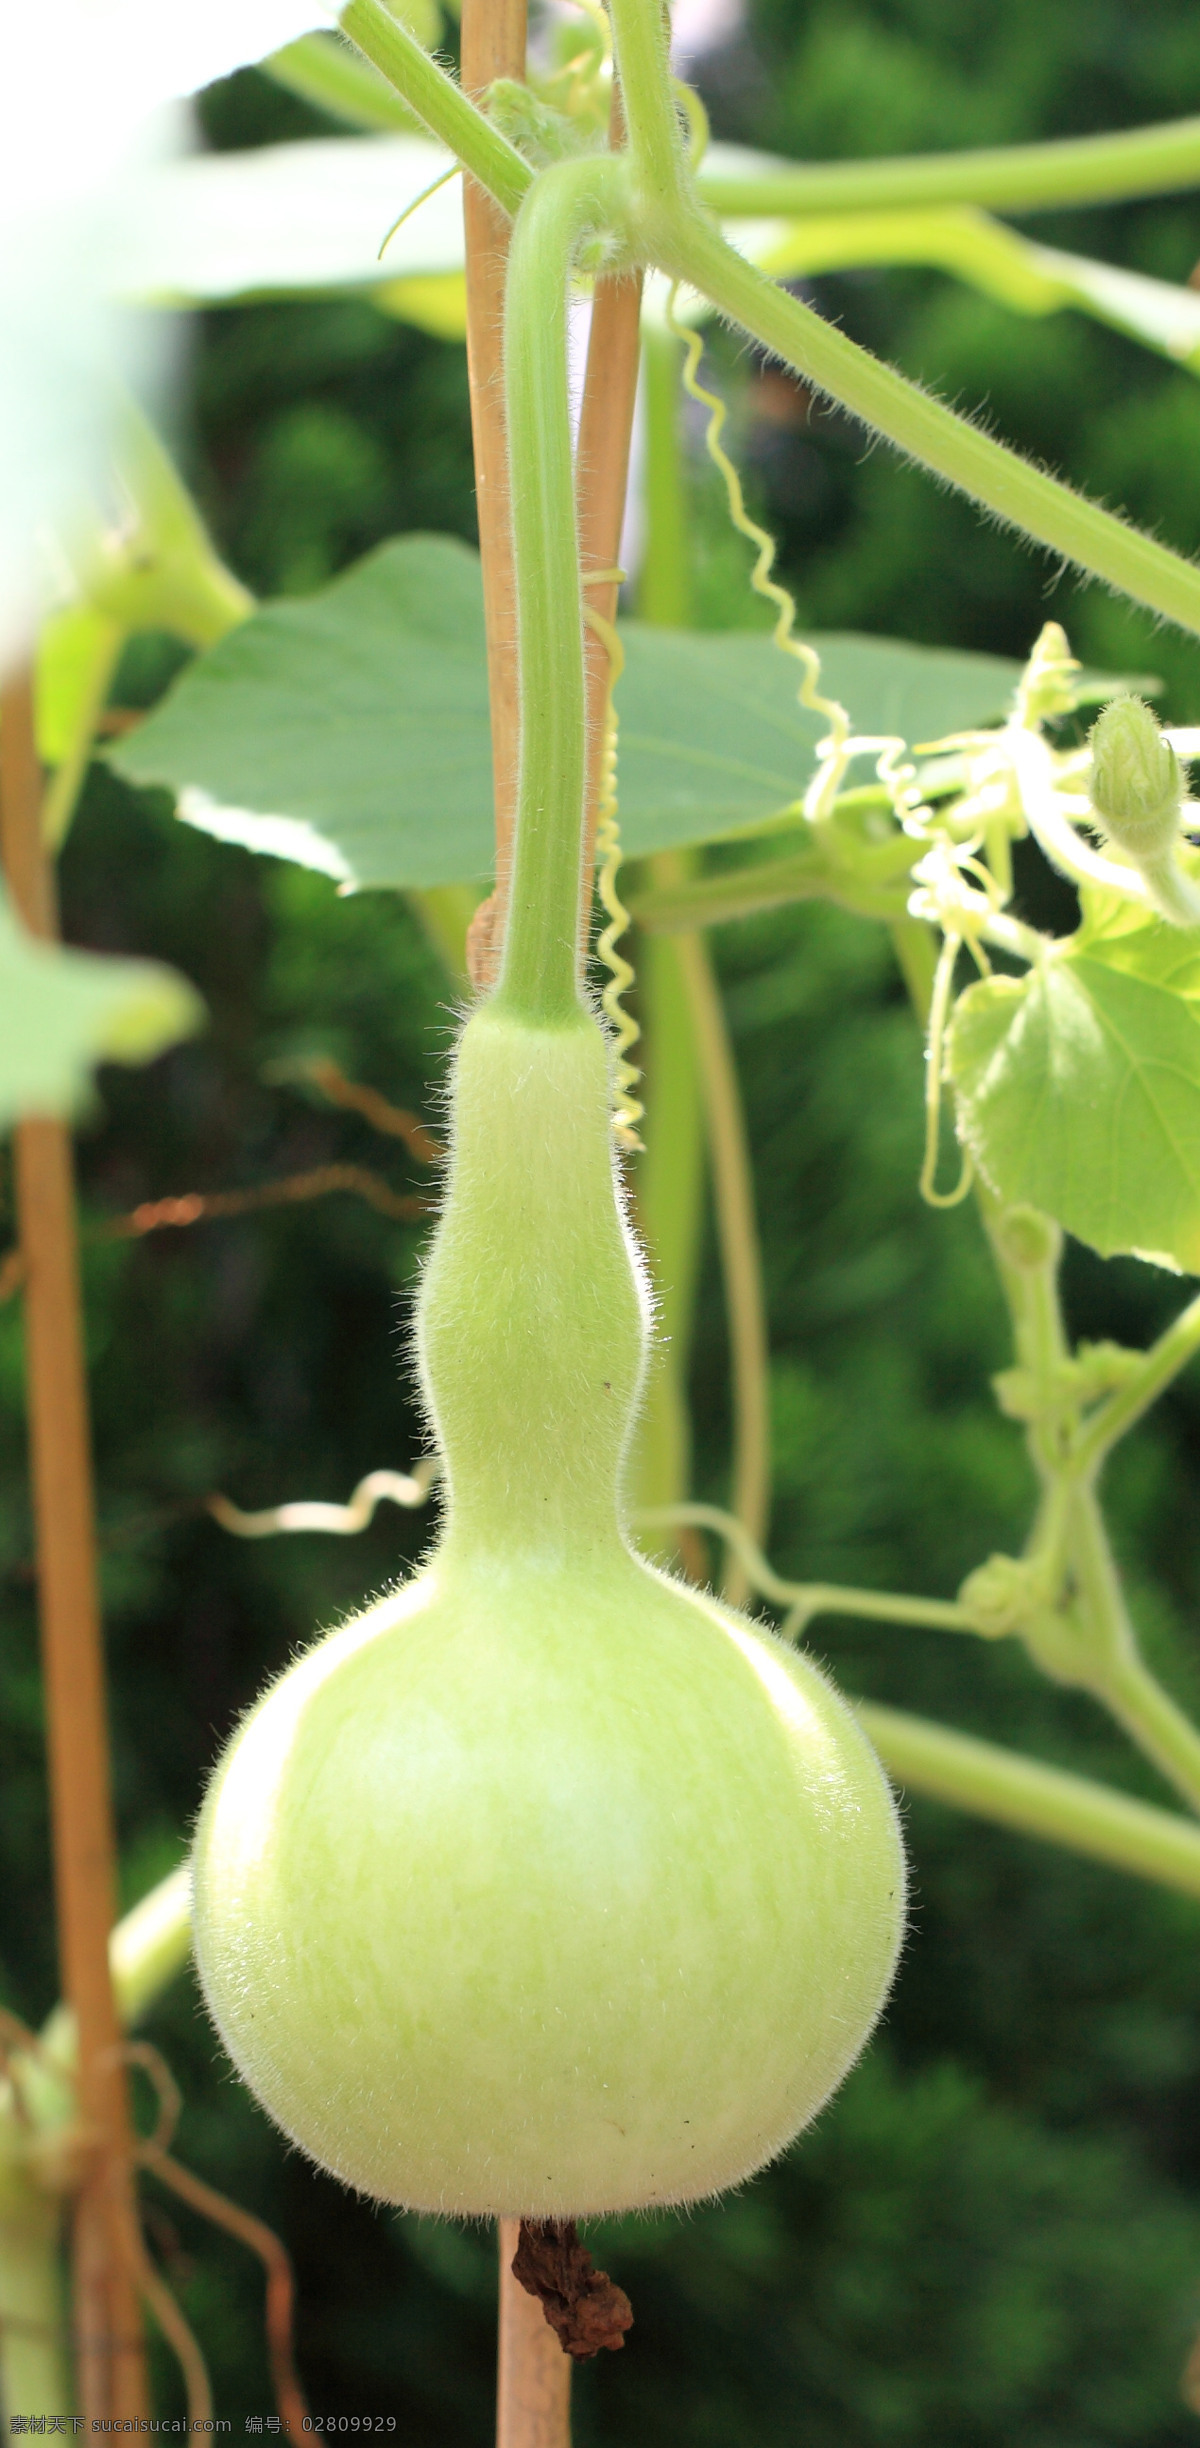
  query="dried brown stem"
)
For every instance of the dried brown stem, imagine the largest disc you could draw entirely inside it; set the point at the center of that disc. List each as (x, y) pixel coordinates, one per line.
(587, 2311)
(260, 2239)
(109, 2345)
(394, 1121)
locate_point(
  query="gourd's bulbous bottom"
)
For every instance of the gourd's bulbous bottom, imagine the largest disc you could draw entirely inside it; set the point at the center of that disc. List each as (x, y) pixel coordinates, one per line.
(546, 1888)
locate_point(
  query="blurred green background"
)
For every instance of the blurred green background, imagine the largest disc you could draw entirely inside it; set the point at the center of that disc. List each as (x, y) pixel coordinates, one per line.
(993, 2235)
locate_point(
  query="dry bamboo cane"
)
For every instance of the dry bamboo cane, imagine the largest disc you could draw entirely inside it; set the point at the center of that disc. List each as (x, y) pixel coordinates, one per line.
(110, 2361)
(534, 2376)
(493, 45)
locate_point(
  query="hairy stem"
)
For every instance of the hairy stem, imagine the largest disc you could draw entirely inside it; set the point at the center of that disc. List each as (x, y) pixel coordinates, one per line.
(806, 1599)
(439, 103)
(934, 436)
(493, 44)
(601, 481)
(1123, 1681)
(1118, 1415)
(1003, 1786)
(539, 978)
(664, 580)
(1005, 178)
(741, 1263)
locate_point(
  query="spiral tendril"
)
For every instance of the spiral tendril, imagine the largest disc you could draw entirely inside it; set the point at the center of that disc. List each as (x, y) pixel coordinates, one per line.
(628, 1110)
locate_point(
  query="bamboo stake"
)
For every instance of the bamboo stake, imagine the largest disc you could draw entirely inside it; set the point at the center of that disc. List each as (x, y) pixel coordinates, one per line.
(493, 45)
(534, 2376)
(533, 2396)
(602, 472)
(110, 2361)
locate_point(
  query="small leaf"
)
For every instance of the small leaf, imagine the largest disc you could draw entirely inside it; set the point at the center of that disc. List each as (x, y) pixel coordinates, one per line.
(1079, 1085)
(349, 730)
(62, 1011)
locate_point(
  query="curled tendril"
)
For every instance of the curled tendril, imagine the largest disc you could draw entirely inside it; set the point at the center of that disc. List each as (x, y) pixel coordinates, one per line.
(833, 751)
(628, 1108)
(409, 1489)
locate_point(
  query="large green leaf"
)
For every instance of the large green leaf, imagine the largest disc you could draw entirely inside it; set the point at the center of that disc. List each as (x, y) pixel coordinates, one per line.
(281, 217)
(61, 1012)
(1079, 1084)
(349, 731)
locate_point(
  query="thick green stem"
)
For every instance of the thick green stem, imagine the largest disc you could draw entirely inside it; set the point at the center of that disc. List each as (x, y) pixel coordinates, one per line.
(741, 1263)
(806, 875)
(991, 1783)
(1037, 505)
(539, 978)
(325, 73)
(1123, 1681)
(664, 590)
(439, 103)
(1005, 178)
(1161, 1363)
(641, 41)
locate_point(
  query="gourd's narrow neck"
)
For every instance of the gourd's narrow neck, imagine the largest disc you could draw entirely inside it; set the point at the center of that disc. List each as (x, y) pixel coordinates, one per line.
(539, 975)
(532, 1322)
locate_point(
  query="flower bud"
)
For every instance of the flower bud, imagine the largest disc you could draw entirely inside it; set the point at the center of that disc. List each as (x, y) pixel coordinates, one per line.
(1136, 786)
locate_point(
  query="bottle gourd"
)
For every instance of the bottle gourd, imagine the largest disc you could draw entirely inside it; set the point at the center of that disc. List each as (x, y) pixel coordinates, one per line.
(547, 1885)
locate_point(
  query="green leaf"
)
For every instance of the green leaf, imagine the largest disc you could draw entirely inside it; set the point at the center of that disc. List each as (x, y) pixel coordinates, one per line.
(972, 247)
(275, 218)
(62, 1011)
(1079, 1085)
(349, 731)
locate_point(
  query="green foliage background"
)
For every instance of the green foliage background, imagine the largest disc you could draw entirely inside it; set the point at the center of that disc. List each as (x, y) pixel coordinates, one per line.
(993, 2236)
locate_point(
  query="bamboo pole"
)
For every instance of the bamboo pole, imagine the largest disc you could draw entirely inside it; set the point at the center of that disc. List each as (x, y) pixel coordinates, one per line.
(602, 474)
(533, 2396)
(110, 2363)
(534, 2376)
(493, 45)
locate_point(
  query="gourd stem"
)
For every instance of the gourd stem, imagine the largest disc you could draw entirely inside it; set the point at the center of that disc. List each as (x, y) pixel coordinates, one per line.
(690, 249)
(1003, 178)
(641, 41)
(1163, 1361)
(441, 104)
(992, 1783)
(493, 45)
(539, 977)
(741, 1263)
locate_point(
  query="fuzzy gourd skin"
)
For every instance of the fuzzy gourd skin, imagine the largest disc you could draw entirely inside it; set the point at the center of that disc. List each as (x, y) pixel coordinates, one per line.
(548, 1885)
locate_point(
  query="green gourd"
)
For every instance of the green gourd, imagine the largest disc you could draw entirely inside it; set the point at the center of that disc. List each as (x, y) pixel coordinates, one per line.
(547, 1885)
